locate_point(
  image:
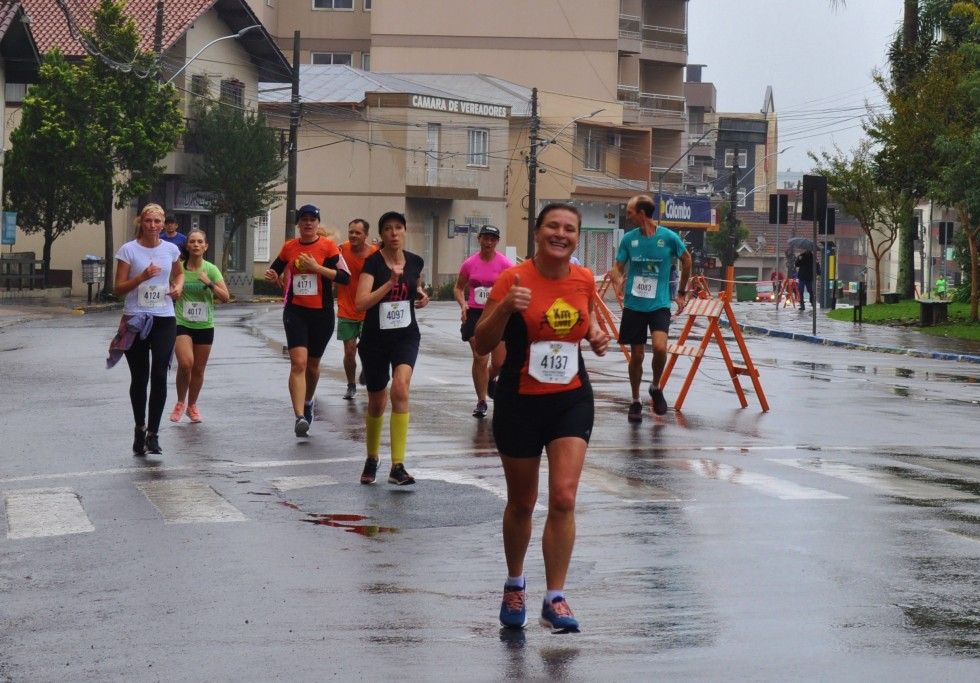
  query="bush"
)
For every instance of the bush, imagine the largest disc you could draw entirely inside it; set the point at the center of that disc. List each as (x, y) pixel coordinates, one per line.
(445, 291)
(263, 288)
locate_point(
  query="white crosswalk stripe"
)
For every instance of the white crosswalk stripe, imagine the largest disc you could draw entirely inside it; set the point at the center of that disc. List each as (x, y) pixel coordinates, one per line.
(876, 479)
(770, 486)
(292, 483)
(34, 513)
(189, 501)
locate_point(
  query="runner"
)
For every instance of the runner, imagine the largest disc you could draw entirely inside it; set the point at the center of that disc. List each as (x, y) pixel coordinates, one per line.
(478, 273)
(149, 276)
(195, 323)
(170, 234)
(387, 291)
(350, 320)
(648, 250)
(542, 309)
(306, 266)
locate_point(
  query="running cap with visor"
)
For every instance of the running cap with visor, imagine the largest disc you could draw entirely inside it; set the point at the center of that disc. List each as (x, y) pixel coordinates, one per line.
(307, 209)
(491, 230)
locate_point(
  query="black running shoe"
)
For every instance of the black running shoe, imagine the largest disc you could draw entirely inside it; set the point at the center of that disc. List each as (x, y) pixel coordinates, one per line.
(492, 388)
(399, 476)
(302, 427)
(659, 402)
(635, 413)
(361, 380)
(153, 444)
(370, 471)
(139, 441)
(308, 412)
(349, 394)
(481, 409)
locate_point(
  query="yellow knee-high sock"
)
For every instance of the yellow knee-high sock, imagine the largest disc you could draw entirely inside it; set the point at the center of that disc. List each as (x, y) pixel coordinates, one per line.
(372, 435)
(399, 437)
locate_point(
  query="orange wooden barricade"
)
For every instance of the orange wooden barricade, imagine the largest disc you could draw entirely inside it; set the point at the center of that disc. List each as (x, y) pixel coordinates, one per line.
(712, 309)
(607, 321)
(791, 292)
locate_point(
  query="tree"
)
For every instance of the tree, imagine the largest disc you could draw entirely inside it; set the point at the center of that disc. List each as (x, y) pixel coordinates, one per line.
(852, 181)
(134, 119)
(719, 241)
(240, 163)
(45, 182)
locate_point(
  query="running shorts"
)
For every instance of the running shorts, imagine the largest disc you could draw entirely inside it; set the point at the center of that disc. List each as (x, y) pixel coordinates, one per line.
(203, 337)
(307, 327)
(348, 329)
(468, 328)
(634, 324)
(523, 425)
(378, 359)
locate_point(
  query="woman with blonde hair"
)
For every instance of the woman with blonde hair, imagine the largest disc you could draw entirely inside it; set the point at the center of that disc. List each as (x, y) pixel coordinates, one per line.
(203, 284)
(150, 277)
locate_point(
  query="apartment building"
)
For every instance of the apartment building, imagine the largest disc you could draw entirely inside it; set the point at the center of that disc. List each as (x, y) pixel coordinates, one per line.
(632, 52)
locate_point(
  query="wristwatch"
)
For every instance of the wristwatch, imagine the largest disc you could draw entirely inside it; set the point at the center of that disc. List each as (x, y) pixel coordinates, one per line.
(210, 285)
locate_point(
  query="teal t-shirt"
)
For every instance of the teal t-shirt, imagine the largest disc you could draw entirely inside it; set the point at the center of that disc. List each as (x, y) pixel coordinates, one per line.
(648, 261)
(195, 307)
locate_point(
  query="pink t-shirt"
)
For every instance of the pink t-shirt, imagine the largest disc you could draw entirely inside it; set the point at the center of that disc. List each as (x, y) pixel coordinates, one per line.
(481, 275)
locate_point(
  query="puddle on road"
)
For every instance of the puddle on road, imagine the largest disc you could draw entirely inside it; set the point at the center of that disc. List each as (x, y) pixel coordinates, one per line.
(901, 391)
(349, 523)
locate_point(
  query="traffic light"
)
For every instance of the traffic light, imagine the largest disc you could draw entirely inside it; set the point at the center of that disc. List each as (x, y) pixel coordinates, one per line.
(778, 209)
(831, 223)
(814, 197)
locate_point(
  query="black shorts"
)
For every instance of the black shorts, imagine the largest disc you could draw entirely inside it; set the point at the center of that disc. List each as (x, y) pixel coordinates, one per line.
(634, 325)
(203, 337)
(380, 357)
(468, 328)
(524, 425)
(307, 327)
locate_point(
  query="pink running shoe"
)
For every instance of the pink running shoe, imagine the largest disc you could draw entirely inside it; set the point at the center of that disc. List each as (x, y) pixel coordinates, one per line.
(193, 413)
(177, 412)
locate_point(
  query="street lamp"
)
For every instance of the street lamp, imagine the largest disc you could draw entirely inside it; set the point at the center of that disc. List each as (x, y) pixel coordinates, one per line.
(660, 183)
(216, 40)
(554, 138)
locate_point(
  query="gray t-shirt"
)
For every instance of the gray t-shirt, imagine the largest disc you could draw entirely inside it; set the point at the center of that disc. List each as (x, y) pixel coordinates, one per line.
(150, 296)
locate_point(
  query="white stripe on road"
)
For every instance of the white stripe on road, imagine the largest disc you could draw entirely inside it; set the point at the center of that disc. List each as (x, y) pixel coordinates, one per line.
(882, 481)
(458, 478)
(771, 486)
(32, 513)
(292, 483)
(189, 501)
(93, 473)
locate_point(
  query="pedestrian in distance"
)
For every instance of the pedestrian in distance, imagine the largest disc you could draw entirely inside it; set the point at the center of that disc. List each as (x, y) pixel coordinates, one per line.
(350, 320)
(388, 292)
(306, 267)
(941, 287)
(172, 234)
(542, 309)
(806, 268)
(203, 284)
(150, 278)
(643, 265)
(476, 277)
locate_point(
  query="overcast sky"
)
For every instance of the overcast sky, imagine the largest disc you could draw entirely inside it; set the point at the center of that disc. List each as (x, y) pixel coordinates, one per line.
(818, 61)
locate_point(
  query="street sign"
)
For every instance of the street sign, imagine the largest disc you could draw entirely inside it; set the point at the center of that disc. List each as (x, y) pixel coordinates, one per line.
(9, 227)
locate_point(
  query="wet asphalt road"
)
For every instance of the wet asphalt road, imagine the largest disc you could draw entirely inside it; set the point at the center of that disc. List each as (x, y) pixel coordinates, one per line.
(836, 537)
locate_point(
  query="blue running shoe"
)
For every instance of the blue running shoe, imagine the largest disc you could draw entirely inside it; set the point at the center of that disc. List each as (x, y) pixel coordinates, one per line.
(558, 616)
(513, 608)
(308, 412)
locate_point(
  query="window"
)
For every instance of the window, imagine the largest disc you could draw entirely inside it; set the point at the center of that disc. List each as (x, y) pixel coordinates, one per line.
(366, 61)
(743, 158)
(741, 196)
(331, 58)
(691, 159)
(260, 232)
(477, 153)
(333, 4)
(233, 92)
(199, 85)
(367, 5)
(595, 151)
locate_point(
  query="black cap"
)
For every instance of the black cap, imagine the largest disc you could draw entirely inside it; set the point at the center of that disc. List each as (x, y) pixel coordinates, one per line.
(170, 219)
(307, 209)
(491, 230)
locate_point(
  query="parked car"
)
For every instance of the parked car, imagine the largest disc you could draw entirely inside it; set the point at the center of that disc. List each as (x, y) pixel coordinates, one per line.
(764, 292)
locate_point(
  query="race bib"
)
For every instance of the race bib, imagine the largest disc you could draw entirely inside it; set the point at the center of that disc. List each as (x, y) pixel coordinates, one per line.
(305, 284)
(395, 314)
(480, 295)
(152, 296)
(645, 287)
(195, 311)
(553, 362)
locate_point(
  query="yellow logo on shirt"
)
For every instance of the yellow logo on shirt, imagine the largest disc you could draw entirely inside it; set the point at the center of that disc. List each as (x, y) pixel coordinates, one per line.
(562, 317)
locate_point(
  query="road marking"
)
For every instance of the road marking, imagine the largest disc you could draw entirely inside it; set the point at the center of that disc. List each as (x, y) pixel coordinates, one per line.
(189, 501)
(770, 486)
(292, 483)
(32, 513)
(93, 473)
(628, 489)
(459, 478)
(883, 481)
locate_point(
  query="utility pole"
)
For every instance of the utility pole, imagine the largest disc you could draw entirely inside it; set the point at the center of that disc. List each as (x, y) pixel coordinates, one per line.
(532, 174)
(732, 230)
(158, 31)
(293, 144)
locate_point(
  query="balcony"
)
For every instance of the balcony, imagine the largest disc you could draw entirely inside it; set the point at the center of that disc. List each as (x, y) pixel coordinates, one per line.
(630, 34)
(441, 183)
(664, 44)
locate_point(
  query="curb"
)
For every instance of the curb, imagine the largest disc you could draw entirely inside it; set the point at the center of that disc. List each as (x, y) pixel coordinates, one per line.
(915, 353)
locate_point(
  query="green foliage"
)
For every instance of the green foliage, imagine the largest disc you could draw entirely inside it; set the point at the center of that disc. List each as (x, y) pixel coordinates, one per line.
(906, 314)
(49, 145)
(445, 291)
(240, 163)
(718, 242)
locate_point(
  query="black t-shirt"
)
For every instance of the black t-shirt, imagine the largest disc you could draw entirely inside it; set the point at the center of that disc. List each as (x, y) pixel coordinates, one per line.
(390, 310)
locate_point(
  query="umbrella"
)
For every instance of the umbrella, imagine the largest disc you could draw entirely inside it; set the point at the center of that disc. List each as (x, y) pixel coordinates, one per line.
(801, 244)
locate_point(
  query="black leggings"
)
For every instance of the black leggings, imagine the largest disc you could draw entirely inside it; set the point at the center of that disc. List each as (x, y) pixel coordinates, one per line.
(159, 343)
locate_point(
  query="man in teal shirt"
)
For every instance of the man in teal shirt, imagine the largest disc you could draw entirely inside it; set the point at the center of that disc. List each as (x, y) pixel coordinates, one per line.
(643, 260)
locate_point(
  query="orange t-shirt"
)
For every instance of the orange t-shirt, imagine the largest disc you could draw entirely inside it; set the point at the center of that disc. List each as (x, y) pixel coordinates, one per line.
(322, 251)
(559, 311)
(345, 293)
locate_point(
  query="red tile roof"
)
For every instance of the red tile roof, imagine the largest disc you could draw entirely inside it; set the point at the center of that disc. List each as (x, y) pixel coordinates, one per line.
(51, 29)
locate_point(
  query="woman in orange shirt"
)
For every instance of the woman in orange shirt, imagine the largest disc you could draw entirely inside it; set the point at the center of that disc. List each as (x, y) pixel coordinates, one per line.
(542, 309)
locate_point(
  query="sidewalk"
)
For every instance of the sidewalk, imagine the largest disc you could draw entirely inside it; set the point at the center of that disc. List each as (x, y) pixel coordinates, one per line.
(791, 323)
